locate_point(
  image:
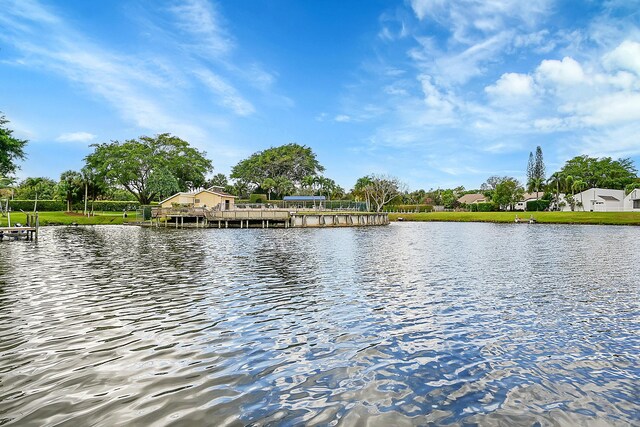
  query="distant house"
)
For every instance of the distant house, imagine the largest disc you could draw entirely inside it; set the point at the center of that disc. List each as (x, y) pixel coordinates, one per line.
(526, 197)
(212, 197)
(604, 200)
(469, 199)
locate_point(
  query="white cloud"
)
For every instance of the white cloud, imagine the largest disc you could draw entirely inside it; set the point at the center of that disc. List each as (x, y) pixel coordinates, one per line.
(229, 97)
(342, 118)
(512, 85)
(567, 72)
(625, 57)
(200, 19)
(76, 137)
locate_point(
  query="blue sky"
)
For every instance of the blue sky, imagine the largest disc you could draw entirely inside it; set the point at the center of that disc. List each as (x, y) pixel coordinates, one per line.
(438, 93)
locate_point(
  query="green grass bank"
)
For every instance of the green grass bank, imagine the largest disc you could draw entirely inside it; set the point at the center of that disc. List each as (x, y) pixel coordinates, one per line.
(609, 218)
(68, 218)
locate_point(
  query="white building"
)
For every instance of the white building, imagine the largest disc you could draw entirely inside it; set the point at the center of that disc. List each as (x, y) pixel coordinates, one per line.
(604, 200)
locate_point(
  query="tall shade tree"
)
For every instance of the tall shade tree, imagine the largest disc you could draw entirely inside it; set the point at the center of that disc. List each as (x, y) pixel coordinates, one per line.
(292, 161)
(601, 172)
(380, 190)
(218, 180)
(11, 149)
(508, 193)
(131, 164)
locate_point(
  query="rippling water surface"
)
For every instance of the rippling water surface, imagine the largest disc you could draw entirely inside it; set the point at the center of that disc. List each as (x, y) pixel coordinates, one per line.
(411, 324)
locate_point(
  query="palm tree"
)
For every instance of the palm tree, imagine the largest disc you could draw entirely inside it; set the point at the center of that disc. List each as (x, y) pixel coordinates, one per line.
(555, 180)
(578, 185)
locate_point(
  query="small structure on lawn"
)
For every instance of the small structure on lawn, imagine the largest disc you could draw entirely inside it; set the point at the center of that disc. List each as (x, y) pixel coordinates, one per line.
(212, 197)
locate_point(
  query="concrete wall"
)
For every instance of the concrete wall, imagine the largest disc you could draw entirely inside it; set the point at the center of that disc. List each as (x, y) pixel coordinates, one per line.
(629, 201)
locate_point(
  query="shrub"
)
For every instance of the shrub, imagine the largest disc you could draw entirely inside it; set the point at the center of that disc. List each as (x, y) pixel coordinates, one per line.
(43, 205)
(484, 207)
(409, 208)
(538, 205)
(108, 205)
(257, 198)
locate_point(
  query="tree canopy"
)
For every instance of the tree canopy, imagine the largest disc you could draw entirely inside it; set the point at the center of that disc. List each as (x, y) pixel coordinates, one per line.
(600, 172)
(378, 190)
(137, 163)
(291, 161)
(11, 149)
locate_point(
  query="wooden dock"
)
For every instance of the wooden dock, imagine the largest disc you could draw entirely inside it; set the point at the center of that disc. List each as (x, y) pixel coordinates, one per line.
(19, 232)
(261, 218)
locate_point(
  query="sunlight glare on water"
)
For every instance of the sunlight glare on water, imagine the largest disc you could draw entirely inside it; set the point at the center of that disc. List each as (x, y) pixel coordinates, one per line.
(410, 324)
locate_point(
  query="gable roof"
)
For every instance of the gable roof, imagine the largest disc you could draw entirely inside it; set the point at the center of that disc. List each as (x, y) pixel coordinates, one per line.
(472, 198)
(219, 193)
(176, 195)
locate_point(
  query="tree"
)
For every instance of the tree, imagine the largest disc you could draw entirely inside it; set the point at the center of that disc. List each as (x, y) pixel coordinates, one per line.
(292, 161)
(163, 183)
(601, 172)
(508, 193)
(36, 188)
(70, 186)
(380, 189)
(360, 190)
(11, 149)
(578, 186)
(268, 184)
(284, 186)
(531, 168)
(535, 172)
(132, 163)
(218, 180)
(554, 182)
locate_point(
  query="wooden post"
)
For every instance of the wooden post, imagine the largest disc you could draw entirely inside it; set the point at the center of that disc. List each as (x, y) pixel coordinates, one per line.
(37, 225)
(181, 222)
(267, 223)
(197, 222)
(176, 223)
(219, 224)
(226, 224)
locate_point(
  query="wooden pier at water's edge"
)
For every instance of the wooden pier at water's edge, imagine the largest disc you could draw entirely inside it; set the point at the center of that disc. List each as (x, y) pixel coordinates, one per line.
(193, 217)
(20, 232)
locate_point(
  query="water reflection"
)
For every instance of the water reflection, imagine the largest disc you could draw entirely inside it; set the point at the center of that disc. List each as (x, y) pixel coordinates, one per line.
(409, 324)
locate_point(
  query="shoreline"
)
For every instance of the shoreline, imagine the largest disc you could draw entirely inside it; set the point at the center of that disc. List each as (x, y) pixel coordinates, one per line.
(571, 218)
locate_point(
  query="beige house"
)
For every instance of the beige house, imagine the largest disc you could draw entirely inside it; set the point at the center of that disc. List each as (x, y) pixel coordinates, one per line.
(212, 197)
(469, 199)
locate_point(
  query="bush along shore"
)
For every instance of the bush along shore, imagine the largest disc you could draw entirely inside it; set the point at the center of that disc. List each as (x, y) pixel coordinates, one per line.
(608, 218)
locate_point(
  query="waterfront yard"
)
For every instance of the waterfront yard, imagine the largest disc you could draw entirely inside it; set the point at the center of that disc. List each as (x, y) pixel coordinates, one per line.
(68, 218)
(611, 218)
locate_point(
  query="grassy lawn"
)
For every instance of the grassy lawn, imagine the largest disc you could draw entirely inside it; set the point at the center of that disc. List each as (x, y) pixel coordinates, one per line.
(613, 218)
(67, 218)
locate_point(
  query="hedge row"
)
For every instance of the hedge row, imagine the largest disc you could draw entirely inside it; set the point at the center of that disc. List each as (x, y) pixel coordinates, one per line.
(43, 205)
(61, 205)
(409, 208)
(538, 205)
(484, 207)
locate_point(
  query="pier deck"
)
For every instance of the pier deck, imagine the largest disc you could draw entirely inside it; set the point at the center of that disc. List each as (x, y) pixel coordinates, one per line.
(261, 218)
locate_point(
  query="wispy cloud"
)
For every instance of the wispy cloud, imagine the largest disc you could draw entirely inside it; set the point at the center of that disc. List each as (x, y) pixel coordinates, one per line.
(76, 137)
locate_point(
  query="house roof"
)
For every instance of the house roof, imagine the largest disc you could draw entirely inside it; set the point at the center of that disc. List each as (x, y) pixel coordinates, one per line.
(219, 193)
(531, 196)
(175, 195)
(472, 198)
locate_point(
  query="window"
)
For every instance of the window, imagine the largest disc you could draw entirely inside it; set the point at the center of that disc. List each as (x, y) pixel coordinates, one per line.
(197, 201)
(636, 204)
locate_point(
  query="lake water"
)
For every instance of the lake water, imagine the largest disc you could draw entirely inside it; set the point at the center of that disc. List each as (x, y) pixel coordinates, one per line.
(410, 324)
